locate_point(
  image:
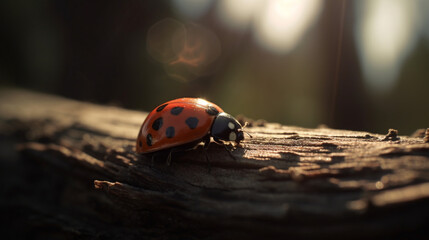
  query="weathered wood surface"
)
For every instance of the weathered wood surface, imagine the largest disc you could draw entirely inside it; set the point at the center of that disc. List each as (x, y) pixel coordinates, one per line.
(77, 176)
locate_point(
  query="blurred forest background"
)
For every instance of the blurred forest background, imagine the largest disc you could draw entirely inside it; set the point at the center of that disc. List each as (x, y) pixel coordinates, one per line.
(360, 65)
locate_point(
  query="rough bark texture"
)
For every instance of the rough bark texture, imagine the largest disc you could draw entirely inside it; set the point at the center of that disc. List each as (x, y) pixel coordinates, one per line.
(69, 170)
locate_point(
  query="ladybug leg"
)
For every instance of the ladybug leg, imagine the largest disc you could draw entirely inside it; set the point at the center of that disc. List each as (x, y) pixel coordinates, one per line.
(226, 148)
(206, 147)
(209, 166)
(217, 140)
(152, 160)
(169, 158)
(206, 142)
(229, 152)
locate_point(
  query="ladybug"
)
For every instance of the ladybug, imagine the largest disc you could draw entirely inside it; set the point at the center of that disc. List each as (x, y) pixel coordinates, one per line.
(183, 123)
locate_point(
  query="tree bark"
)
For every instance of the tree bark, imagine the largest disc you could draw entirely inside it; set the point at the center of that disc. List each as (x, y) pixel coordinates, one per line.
(77, 176)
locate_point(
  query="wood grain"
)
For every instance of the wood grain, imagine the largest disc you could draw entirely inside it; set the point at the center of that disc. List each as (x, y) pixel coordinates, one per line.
(78, 176)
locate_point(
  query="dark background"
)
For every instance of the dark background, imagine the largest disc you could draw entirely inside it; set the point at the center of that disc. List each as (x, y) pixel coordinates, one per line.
(134, 54)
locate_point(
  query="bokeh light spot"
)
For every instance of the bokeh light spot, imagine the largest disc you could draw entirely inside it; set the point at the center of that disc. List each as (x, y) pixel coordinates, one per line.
(281, 24)
(386, 32)
(191, 8)
(238, 14)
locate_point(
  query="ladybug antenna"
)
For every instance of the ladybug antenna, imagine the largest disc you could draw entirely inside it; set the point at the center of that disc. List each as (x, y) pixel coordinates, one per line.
(248, 134)
(245, 125)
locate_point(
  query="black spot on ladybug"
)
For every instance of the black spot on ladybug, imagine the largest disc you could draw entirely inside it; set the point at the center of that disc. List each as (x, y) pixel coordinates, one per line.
(140, 143)
(157, 124)
(149, 139)
(212, 110)
(159, 109)
(170, 132)
(192, 122)
(176, 110)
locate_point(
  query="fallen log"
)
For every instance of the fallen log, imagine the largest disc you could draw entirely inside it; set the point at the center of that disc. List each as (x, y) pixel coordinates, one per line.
(77, 175)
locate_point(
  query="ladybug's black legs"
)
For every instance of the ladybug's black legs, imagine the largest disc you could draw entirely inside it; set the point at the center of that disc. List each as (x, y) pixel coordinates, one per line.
(206, 147)
(169, 158)
(209, 166)
(217, 140)
(206, 142)
(152, 160)
(229, 151)
(162, 155)
(154, 156)
(170, 152)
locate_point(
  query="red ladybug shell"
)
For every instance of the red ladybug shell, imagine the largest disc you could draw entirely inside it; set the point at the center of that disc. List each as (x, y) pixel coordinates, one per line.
(175, 123)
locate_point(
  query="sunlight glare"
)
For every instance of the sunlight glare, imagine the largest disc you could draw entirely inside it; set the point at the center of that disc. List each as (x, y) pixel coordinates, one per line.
(281, 24)
(238, 14)
(202, 102)
(386, 33)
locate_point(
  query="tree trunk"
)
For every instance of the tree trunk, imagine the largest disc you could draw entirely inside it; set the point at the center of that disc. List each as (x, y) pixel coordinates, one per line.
(77, 176)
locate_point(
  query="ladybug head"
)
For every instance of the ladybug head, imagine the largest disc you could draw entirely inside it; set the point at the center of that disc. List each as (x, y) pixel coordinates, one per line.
(225, 127)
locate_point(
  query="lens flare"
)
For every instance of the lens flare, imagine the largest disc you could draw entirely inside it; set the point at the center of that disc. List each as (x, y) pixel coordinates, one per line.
(160, 42)
(186, 50)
